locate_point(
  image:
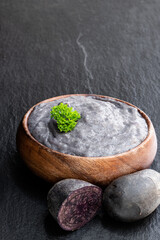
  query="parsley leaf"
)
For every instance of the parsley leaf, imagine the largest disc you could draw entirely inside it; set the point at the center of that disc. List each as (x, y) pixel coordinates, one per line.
(65, 116)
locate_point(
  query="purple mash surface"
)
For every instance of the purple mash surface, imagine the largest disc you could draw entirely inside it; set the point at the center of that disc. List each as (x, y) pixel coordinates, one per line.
(106, 127)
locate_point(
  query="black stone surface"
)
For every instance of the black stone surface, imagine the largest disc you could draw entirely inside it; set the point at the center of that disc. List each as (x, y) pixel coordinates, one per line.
(50, 48)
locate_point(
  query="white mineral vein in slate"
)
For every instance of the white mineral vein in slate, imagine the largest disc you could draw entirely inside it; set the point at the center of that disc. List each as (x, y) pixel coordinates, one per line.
(88, 72)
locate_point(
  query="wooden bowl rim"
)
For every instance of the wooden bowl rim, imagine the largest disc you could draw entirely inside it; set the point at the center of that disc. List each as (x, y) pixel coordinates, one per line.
(76, 157)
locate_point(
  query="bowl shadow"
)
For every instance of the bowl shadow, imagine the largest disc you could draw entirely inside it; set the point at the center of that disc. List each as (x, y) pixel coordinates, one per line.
(28, 182)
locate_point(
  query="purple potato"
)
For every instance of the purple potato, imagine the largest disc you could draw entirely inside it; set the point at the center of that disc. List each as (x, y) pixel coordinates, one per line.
(134, 196)
(73, 203)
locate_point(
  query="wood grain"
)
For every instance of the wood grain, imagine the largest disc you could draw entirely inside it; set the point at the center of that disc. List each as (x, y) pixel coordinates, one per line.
(54, 166)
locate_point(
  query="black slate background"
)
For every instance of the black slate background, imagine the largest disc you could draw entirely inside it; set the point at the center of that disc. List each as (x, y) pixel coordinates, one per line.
(50, 48)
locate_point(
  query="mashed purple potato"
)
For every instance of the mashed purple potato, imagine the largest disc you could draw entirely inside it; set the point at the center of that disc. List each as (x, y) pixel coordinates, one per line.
(106, 127)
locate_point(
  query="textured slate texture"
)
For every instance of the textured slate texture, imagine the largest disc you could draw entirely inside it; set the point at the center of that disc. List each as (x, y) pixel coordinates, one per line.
(50, 48)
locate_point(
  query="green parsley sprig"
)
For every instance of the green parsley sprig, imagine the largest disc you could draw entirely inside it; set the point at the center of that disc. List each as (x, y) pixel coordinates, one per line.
(65, 116)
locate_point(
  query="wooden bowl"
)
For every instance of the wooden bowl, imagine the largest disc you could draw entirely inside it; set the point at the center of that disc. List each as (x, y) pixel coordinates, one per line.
(54, 166)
